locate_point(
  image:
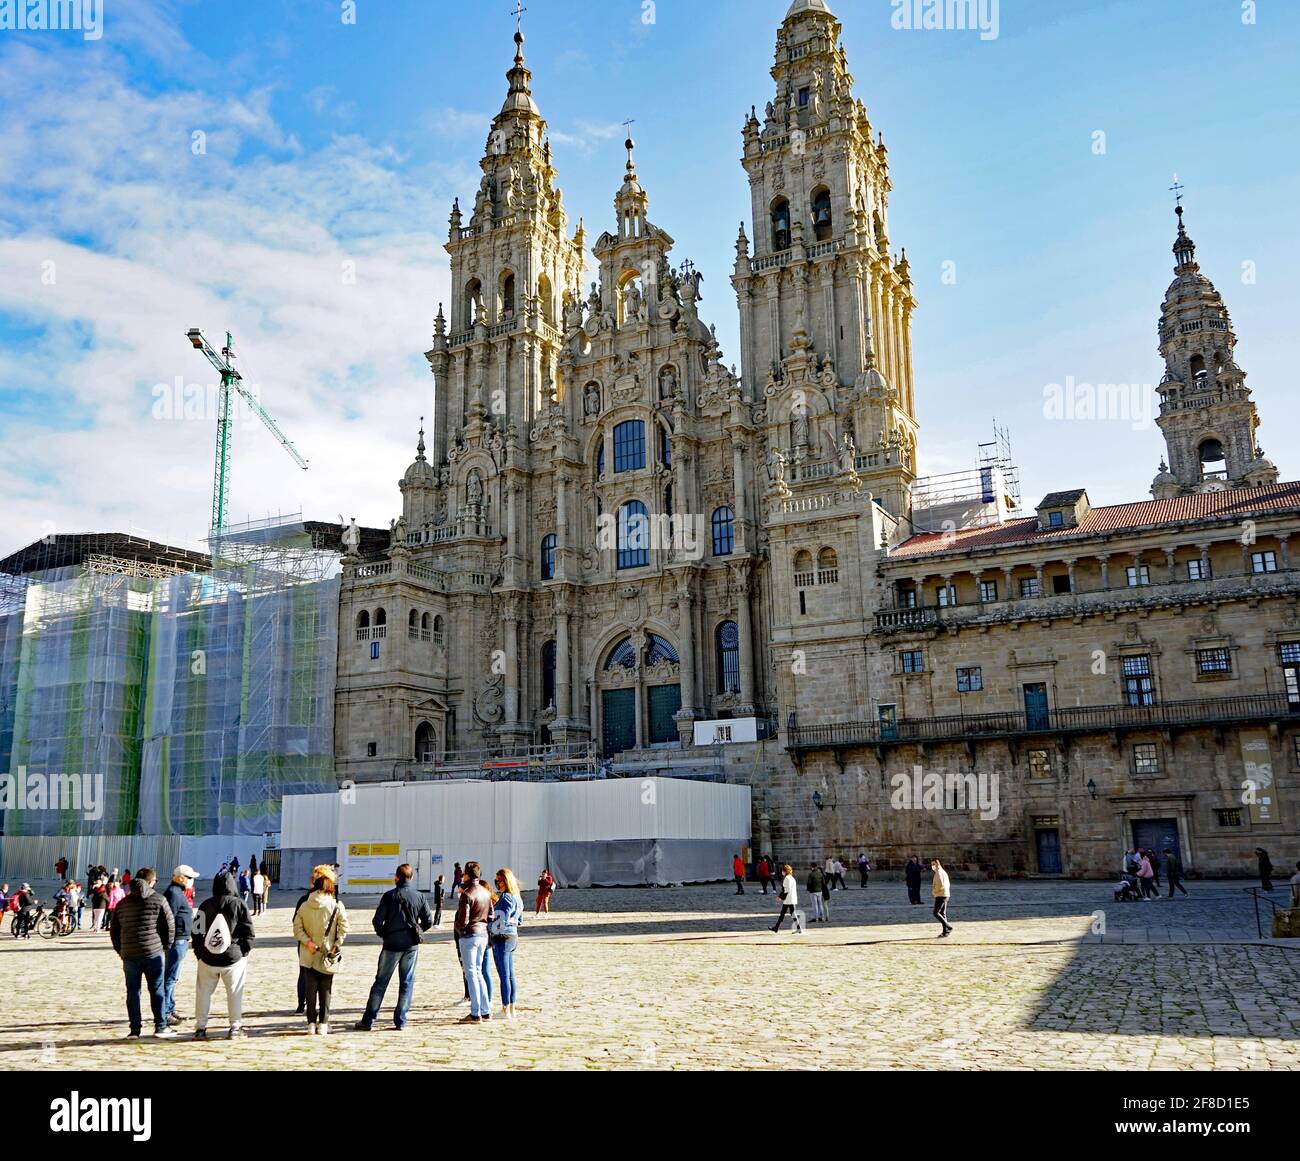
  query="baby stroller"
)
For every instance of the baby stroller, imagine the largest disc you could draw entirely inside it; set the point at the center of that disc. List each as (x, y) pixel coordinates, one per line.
(1127, 890)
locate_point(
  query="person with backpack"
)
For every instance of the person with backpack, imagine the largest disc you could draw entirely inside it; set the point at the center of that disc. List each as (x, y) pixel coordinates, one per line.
(223, 939)
(142, 930)
(403, 913)
(320, 927)
(183, 916)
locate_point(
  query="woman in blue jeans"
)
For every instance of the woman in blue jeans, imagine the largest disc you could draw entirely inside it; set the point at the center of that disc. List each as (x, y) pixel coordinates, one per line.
(503, 933)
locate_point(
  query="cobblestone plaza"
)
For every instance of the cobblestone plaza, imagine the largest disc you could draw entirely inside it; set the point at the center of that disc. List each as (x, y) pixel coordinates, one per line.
(690, 978)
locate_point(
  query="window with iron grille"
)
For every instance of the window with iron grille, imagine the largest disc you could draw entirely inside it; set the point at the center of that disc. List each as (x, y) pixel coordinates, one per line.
(1230, 816)
(913, 661)
(988, 590)
(1263, 561)
(1139, 688)
(1040, 764)
(727, 643)
(1217, 660)
(629, 445)
(1146, 758)
(724, 531)
(970, 679)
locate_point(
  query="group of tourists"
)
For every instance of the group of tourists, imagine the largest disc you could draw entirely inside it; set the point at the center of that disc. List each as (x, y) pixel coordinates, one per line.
(766, 868)
(818, 886)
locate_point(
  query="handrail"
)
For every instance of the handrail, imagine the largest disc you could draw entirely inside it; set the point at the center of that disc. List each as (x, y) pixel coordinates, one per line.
(1276, 907)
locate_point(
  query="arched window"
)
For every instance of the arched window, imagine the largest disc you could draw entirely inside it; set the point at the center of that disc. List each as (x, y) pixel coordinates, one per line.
(629, 445)
(657, 650)
(668, 500)
(548, 556)
(508, 296)
(381, 618)
(803, 569)
(437, 625)
(424, 743)
(823, 225)
(780, 224)
(1213, 460)
(363, 619)
(727, 639)
(724, 531)
(424, 620)
(622, 656)
(473, 300)
(600, 460)
(548, 675)
(665, 447)
(633, 535)
(828, 567)
(413, 620)
(1198, 368)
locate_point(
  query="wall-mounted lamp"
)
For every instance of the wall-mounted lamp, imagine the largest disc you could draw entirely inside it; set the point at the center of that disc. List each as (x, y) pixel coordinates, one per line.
(1092, 788)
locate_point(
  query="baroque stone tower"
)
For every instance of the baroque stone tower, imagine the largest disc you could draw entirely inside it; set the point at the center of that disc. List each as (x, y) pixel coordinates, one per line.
(825, 308)
(1206, 413)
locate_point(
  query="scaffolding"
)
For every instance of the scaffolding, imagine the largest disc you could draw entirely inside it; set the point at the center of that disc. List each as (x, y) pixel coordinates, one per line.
(196, 697)
(986, 494)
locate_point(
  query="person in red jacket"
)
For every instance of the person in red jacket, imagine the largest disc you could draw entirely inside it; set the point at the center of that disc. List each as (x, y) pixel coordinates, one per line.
(738, 871)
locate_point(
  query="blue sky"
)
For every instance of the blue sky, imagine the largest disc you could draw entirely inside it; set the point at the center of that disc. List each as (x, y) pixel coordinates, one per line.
(330, 144)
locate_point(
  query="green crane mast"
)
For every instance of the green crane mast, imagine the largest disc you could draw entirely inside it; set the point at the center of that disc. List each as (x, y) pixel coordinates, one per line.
(231, 382)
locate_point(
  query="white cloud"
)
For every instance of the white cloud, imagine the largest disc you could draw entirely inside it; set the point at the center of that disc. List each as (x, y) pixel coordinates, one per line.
(147, 239)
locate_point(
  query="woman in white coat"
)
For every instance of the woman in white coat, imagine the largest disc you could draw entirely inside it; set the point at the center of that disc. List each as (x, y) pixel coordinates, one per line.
(789, 896)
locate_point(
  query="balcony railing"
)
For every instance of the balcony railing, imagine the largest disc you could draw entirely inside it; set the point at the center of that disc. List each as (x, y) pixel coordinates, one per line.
(1219, 711)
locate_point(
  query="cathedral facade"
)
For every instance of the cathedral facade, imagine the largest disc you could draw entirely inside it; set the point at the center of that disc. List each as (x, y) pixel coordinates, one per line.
(611, 535)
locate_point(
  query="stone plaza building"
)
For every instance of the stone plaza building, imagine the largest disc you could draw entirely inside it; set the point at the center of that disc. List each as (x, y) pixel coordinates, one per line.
(612, 536)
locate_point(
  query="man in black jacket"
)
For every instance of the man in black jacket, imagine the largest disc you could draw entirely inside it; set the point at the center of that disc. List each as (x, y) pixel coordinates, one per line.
(174, 893)
(223, 938)
(142, 929)
(401, 915)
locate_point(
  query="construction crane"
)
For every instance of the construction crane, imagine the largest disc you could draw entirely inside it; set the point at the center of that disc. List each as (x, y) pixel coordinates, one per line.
(232, 381)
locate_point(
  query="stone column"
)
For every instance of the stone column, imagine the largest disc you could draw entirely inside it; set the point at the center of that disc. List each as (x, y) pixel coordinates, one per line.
(1105, 573)
(1038, 573)
(1170, 553)
(561, 524)
(1205, 561)
(512, 729)
(949, 593)
(1283, 551)
(742, 513)
(743, 583)
(1069, 565)
(1007, 570)
(563, 666)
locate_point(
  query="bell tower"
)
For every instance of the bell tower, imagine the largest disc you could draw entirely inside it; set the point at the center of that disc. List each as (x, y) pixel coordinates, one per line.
(825, 306)
(1207, 416)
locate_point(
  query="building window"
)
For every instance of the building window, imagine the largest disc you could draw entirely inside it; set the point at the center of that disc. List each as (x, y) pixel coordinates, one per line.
(1139, 689)
(1198, 570)
(1295, 746)
(1263, 562)
(1056, 519)
(1229, 816)
(633, 535)
(907, 598)
(629, 445)
(724, 531)
(1138, 574)
(804, 97)
(374, 650)
(548, 556)
(665, 447)
(1040, 764)
(912, 660)
(823, 225)
(970, 679)
(943, 596)
(780, 224)
(1061, 583)
(1029, 586)
(1217, 660)
(658, 650)
(1288, 652)
(548, 675)
(508, 296)
(1146, 759)
(727, 640)
(828, 567)
(988, 590)
(600, 460)
(372, 749)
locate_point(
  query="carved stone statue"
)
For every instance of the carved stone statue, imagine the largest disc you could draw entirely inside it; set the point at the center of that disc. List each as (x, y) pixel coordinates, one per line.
(848, 455)
(351, 536)
(397, 532)
(633, 307)
(778, 461)
(667, 383)
(474, 491)
(591, 399)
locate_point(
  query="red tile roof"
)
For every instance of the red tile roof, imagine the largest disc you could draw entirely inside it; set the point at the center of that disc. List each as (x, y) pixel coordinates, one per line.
(1231, 504)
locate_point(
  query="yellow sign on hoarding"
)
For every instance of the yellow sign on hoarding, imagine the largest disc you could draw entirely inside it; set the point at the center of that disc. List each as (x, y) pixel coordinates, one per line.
(371, 864)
